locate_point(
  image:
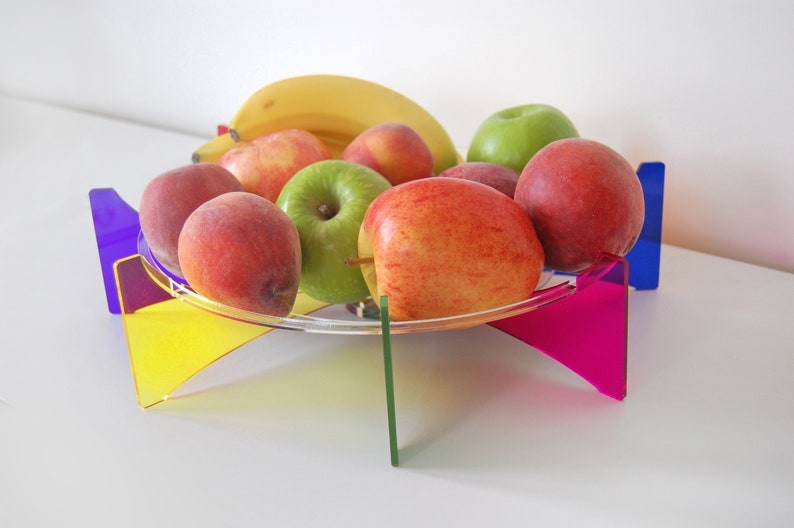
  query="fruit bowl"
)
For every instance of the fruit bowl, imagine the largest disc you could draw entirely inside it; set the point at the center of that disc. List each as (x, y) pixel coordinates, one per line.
(173, 333)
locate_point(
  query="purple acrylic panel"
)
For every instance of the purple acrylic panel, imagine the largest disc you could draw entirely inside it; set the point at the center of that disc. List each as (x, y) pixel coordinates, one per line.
(116, 226)
(137, 288)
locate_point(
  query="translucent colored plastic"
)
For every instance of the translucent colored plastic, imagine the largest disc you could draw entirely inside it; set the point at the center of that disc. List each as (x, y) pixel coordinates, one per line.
(173, 333)
(585, 330)
(168, 340)
(116, 227)
(645, 255)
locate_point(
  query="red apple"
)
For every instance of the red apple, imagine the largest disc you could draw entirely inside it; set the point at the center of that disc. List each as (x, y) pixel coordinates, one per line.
(266, 163)
(446, 246)
(241, 250)
(584, 199)
(500, 177)
(394, 150)
(168, 200)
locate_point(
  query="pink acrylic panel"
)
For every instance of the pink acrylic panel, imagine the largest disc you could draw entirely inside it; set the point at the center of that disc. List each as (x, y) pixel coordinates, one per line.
(586, 331)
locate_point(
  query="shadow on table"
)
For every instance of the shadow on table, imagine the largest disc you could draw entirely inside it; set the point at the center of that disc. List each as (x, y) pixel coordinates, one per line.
(463, 398)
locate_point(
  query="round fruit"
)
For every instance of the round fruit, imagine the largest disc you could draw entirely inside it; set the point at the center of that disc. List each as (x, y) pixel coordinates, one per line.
(327, 201)
(241, 250)
(266, 163)
(168, 200)
(394, 150)
(443, 247)
(584, 199)
(512, 136)
(500, 177)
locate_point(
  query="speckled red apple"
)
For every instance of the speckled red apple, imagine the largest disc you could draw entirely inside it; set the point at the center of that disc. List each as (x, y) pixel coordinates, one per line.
(447, 246)
(168, 200)
(500, 177)
(241, 250)
(394, 150)
(266, 163)
(584, 199)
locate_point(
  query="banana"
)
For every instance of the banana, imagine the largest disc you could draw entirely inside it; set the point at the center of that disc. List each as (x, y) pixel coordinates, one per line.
(213, 149)
(337, 109)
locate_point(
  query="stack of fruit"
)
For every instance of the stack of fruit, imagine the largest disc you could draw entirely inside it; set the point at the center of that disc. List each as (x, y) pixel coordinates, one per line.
(345, 189)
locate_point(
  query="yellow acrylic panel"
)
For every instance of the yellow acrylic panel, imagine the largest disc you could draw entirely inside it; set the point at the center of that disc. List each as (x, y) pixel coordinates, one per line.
(170, 340)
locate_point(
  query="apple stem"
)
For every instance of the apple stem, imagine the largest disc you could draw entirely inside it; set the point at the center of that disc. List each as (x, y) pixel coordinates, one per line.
(352, 262)
(327, 211)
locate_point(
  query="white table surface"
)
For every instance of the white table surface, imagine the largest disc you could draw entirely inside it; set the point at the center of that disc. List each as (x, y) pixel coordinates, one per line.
(291, 429)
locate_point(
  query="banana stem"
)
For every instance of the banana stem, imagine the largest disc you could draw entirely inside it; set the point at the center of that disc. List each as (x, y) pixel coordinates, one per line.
(352, 262)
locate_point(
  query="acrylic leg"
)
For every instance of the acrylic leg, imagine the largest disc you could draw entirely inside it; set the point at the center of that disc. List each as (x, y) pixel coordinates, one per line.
(646, 253)
(116, 227)
(169, 340)
(586, 331)
(389, 377)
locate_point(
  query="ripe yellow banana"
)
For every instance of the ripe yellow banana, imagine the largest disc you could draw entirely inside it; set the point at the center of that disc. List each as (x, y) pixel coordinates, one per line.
(213, 149)
(337, 109)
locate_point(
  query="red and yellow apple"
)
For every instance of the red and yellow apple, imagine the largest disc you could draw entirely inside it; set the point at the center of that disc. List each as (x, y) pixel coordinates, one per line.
(584, 199)
(241, 250)
(394, 150)
(500, 177)
(266, 163)
(442, 247)
(169, 198)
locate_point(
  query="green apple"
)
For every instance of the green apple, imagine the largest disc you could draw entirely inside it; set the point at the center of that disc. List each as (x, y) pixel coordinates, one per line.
(327, 201)
(512, 136)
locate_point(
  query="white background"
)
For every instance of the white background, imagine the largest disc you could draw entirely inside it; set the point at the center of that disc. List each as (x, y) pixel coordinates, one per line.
(704, 86)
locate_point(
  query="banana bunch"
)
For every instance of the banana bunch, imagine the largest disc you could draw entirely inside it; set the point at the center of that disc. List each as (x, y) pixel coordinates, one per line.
(334, 108)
